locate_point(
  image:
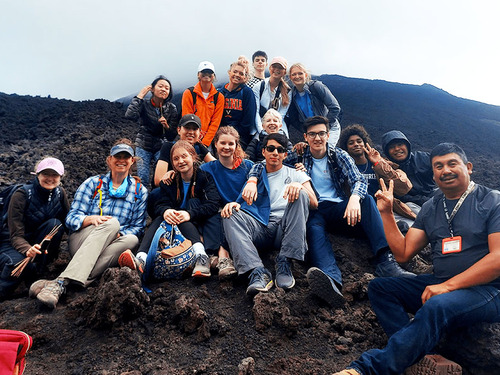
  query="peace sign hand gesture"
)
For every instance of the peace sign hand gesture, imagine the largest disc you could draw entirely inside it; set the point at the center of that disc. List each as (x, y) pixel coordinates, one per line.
(372, 154)
(385, 197)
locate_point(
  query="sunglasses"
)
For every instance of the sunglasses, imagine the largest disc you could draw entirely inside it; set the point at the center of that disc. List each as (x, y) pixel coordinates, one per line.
(281, 149)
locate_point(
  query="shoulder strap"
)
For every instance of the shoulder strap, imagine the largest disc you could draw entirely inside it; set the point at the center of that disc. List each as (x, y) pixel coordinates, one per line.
(262, 87)
(98, 187)
(137, 192)
(216, 96)
(193, 94)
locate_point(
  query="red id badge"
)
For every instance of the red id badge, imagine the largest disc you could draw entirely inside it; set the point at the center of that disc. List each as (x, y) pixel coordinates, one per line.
(452, 245)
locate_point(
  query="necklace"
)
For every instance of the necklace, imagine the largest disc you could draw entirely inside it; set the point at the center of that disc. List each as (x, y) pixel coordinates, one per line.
(366, 168)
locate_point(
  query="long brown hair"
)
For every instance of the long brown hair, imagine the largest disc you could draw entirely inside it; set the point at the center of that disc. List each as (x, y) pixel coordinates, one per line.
(239, 154)
(190, 149)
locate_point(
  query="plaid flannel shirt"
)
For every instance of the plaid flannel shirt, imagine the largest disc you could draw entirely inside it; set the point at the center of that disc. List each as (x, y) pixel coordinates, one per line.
(129, 210)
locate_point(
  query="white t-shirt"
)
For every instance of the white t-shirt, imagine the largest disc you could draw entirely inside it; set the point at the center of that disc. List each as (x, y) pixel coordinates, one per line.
(277, 183)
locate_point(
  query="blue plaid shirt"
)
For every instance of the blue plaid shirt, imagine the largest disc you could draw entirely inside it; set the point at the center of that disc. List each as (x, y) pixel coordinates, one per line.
(129, 211)
(342, 168)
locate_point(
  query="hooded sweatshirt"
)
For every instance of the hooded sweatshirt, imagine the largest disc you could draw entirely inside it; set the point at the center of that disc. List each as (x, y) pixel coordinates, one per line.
(417, 167)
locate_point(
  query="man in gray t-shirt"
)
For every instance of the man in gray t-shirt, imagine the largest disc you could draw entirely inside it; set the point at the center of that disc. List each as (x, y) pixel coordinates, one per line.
(275, 214)
(462, 224)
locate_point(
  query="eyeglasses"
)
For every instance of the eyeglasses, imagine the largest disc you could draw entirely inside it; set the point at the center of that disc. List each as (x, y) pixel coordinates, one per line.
(312, 135)
(281, 149)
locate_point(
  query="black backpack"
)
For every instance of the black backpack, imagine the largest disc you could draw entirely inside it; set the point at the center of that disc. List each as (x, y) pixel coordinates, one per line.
(193, 94)
(5, 196)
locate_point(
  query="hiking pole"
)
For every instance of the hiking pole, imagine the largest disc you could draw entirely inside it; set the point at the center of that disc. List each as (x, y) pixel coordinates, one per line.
(20, 266)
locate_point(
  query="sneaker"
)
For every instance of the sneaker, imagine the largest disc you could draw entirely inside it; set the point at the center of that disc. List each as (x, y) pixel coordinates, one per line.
(36, 287)
(261, 280)
(202, 266)
(127, 259)
(50, 294)
(226, 269)
(434, 364)
(388, 267)
(284, 277)
(324, 287)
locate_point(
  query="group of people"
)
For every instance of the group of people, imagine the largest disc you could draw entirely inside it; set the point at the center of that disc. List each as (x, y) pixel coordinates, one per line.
(284, 197)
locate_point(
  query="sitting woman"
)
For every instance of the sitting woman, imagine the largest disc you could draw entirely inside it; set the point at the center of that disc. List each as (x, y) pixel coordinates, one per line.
(157, 122)
(191, 202)
(312, 98)
(107, 216)
(230, 173)
(34, 211)
(189, 130)
(272, 122)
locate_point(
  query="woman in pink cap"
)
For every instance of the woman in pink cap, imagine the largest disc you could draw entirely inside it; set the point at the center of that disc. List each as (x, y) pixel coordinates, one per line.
(273, 92)
(34, 209)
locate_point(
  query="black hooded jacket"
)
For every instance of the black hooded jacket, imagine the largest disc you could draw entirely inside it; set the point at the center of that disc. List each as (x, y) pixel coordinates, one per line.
(417, 167)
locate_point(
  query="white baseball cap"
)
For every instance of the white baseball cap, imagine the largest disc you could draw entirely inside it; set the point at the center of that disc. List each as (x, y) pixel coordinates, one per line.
(206, 65)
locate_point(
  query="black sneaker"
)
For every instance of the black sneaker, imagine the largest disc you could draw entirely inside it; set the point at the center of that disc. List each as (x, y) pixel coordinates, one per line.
(388, 267)
(323, 287)
(284, 277)
(261, 280)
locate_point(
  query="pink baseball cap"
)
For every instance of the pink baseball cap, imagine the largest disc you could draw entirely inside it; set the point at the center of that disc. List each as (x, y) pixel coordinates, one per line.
(50, 163)
(279, 60)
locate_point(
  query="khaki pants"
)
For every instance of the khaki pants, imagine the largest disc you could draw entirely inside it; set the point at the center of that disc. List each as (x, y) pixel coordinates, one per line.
(94, 249)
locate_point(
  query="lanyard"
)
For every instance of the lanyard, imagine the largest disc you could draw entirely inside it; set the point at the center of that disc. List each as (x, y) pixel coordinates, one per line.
(449, 217)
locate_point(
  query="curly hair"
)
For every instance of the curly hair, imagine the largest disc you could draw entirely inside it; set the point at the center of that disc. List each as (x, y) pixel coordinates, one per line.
(354, 129)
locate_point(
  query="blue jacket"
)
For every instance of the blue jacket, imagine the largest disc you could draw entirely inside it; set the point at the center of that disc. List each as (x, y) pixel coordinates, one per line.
(261, 208)
(323, 104)
(417, 167)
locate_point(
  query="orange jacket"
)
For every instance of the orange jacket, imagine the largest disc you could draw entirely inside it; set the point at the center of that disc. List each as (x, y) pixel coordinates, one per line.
(209, 114)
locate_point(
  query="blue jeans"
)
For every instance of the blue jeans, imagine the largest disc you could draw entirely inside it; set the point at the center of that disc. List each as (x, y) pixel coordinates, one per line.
(144, 163)
(392, 298)
(330, 215)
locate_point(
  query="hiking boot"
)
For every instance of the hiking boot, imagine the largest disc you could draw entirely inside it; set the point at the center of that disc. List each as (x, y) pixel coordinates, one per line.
(50, 294)
(388, 267)
(226, 269)
(214, 261)
(324, 287)
(202, 266)
(284, 277)
(127, 259)
(36, 287)
(434, 364)
(261, 280)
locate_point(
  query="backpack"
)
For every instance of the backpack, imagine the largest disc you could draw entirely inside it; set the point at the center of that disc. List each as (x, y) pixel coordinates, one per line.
(6, 195)
(137, 192)
(13, 346)
(193, 94)
(170, 254)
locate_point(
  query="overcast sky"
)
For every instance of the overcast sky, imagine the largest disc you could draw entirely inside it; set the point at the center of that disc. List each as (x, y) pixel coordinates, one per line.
(112, 48)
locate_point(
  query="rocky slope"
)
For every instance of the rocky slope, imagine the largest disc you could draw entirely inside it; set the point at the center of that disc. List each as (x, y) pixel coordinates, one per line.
(183, 327)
